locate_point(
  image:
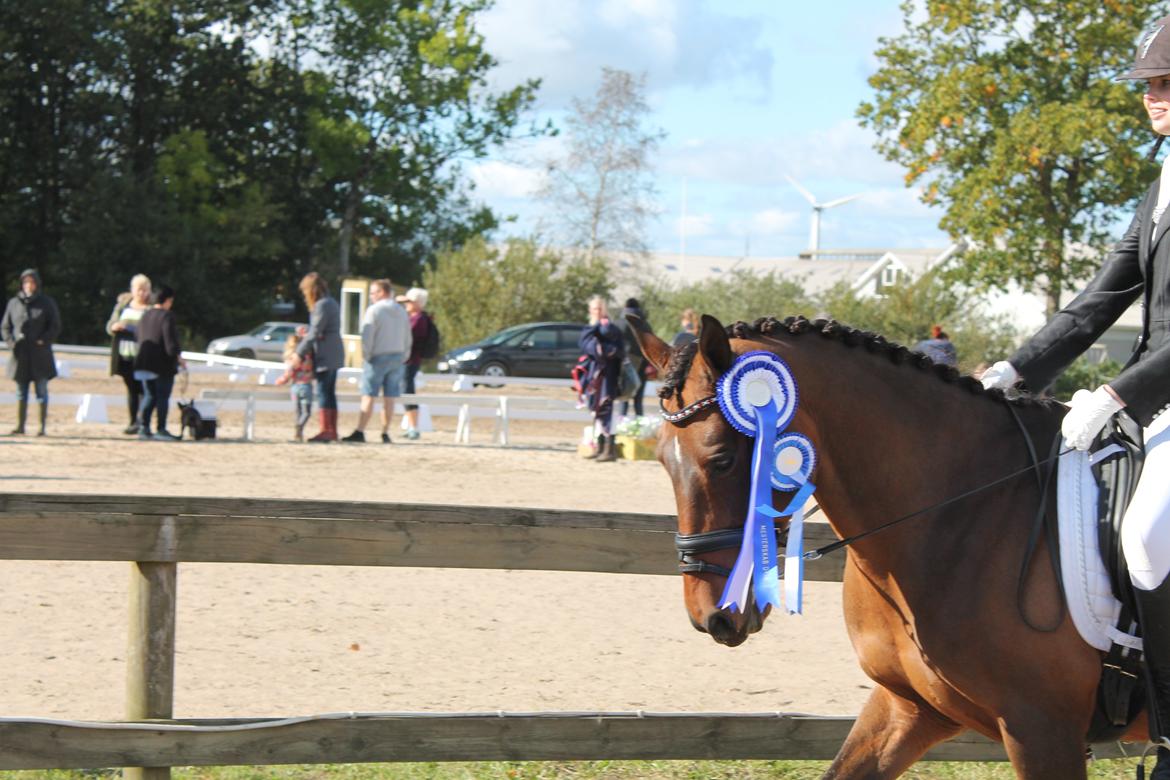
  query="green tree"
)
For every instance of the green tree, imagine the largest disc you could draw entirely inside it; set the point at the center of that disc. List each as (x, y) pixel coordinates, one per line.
(905, 312)
(407, 101)
(480, 288)
(738, 295)
(1005, 112)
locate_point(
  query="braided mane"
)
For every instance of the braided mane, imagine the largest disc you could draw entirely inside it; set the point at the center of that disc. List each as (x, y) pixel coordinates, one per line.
(682, 357)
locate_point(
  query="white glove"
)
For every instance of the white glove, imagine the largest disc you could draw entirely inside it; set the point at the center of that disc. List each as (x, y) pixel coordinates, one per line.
(1002, 375)
(1087, 415)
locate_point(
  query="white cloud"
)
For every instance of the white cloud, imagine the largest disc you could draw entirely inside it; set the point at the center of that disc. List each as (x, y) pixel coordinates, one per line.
(496, 179)
(769, 222)
(696, 225)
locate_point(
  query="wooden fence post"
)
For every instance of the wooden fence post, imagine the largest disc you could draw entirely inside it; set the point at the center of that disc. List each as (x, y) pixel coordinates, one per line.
(150, 656)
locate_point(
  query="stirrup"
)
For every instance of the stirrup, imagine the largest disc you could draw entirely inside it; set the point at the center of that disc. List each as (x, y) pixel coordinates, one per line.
(1162, 742)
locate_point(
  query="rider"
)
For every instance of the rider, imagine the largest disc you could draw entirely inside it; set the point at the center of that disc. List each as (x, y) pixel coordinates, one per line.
(1137, 268)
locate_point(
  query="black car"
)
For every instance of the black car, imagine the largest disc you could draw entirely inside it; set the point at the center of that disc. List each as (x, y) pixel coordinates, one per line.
(537, 349)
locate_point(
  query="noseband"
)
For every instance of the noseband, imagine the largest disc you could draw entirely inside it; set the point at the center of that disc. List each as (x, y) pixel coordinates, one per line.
(691, 545)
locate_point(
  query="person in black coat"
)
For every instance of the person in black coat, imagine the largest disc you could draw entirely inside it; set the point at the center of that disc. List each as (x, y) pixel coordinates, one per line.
(634, 352)
(30, 326)
(1137, 268)
(604, 349)
(157, 362)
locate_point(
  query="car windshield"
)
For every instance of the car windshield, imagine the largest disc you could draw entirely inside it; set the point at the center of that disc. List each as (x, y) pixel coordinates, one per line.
(259, 330)
(504, 335)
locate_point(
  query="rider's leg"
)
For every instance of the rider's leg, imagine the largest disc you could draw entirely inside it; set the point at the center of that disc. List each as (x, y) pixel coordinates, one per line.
(1145, 539)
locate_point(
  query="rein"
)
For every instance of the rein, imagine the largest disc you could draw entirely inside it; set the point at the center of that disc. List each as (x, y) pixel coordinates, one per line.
(690, 545)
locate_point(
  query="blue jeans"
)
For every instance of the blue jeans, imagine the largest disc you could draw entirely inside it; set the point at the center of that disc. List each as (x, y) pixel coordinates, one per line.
(411, 373)
(42, 390)
(156, 397)
(303, 393)
(327, 389)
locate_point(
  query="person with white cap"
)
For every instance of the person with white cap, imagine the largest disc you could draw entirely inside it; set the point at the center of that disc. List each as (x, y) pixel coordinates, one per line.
(1137, 268)
(415, 301)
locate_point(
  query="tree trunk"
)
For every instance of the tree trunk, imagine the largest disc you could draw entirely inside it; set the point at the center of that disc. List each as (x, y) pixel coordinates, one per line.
(345, 240)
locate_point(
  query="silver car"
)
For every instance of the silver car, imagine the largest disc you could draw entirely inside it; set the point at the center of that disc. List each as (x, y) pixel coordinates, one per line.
(264, 342)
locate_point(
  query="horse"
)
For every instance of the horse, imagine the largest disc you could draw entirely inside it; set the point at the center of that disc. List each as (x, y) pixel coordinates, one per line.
(945, 613)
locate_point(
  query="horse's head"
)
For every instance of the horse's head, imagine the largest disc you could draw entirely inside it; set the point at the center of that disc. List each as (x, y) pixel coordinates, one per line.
(709, 463)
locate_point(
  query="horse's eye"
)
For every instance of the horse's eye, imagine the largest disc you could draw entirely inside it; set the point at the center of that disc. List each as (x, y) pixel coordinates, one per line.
(721, 462)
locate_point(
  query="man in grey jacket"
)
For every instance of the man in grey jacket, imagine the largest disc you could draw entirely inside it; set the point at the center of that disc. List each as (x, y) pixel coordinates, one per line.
(385, 344)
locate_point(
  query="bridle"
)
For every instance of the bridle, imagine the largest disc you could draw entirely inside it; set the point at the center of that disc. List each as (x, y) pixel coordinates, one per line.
(691, 545)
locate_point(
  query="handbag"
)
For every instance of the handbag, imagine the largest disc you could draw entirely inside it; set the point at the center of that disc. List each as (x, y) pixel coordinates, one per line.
(628, 381)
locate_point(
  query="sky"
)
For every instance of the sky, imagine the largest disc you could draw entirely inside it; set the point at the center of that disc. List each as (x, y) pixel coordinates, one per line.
(747, 92)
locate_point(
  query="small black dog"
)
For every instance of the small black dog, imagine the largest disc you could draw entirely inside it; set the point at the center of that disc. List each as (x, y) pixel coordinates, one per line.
(190, 418)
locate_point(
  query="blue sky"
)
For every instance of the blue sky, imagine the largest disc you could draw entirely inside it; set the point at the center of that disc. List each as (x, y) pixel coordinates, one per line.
(747, 92)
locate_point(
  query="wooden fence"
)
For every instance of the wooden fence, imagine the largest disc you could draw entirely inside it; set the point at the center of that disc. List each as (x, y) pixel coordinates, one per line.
(157, 533)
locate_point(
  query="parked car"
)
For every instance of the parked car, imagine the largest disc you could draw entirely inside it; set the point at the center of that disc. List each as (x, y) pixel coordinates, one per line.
(537, 349)
(264, 342)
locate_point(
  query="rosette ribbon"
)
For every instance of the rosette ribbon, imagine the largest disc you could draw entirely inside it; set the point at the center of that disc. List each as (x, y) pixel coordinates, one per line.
(758, 396)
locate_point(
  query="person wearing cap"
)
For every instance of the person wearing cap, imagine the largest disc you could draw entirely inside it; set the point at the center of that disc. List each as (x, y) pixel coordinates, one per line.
(385, 344)
(1137, 268)
(30, 326)
(415, 301)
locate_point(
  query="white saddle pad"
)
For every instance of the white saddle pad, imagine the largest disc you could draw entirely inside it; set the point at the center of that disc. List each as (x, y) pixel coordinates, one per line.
(1091, 603)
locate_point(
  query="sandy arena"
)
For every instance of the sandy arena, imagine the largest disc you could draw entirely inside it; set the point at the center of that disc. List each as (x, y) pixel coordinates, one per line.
(265, 640)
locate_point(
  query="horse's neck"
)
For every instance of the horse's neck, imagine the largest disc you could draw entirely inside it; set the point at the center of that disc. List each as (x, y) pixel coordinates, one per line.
(895, 440)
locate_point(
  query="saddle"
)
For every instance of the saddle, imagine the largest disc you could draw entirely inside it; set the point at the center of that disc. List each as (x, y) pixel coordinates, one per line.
(1118, 457)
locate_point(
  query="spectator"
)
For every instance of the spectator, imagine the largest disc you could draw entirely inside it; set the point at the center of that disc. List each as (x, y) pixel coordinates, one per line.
(299, 371)
(603, 349)
(30, 326)
(123, 327)
(415, 301)
(690, 329)
(324, 341)
(634, 352)
(386, 341)
(938, 347)
(157, 362)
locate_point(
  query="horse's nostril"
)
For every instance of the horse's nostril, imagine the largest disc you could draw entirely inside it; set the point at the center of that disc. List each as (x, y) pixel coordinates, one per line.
(720, 626)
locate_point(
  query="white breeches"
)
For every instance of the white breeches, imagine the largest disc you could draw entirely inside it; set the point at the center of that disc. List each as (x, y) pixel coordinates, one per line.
(1145, 529)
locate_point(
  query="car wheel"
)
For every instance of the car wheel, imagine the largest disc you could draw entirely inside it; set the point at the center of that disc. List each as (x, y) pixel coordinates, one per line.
(493, 369)
(247, 354)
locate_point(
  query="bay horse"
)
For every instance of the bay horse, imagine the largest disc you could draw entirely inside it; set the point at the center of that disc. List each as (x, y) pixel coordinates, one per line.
(931, 605)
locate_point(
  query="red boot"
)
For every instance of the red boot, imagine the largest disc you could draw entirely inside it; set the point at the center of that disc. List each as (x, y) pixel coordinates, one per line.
(328, 432)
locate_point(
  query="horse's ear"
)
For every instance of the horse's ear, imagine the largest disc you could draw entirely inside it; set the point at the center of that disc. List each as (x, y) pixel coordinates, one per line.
(714, 345)
(655, 349)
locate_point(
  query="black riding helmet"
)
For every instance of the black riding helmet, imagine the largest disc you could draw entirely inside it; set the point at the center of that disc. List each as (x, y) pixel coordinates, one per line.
(1152, 57)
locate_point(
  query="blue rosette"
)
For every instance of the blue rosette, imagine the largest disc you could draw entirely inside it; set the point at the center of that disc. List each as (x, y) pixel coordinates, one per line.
(793, 461)
(753, 379)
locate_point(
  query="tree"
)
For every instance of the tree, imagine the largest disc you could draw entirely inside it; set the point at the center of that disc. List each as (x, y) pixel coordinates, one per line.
(905, 312)
(406, 102)
(478, 289)
(738, 295)
(1005, 112)
(600, 191)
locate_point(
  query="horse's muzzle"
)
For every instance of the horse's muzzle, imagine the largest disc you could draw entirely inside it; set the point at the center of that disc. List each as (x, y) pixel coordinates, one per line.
(732, 629)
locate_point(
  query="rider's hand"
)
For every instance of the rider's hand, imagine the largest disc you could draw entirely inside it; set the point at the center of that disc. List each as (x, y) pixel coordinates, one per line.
(1087, 415)
(1002, 375)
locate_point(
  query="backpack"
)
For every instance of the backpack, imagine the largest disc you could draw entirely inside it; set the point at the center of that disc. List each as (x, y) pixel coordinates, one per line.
(430, 345)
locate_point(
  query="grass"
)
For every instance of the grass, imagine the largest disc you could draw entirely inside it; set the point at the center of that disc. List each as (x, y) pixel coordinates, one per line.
(1121, 769)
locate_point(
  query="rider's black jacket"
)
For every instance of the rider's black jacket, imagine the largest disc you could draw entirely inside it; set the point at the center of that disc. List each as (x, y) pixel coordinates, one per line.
(1137, 267)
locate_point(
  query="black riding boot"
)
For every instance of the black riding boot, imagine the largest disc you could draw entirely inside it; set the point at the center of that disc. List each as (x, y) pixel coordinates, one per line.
(1153, 608)
(44, 411)
(21, 416)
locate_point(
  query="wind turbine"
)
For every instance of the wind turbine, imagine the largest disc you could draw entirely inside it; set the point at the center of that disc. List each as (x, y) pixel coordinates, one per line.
(814, 234)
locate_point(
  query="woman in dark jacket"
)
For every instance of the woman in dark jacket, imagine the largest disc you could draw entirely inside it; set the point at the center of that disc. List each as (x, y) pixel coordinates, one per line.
(30, 326)
(602, 344)
(324, 341)
(157, 362)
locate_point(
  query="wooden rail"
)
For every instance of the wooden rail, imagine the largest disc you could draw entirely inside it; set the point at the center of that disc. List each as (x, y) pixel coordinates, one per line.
(157, 533)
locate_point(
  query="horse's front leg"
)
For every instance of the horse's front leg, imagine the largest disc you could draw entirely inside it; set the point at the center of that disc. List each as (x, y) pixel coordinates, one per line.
(890, 734)
(1043, 747)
